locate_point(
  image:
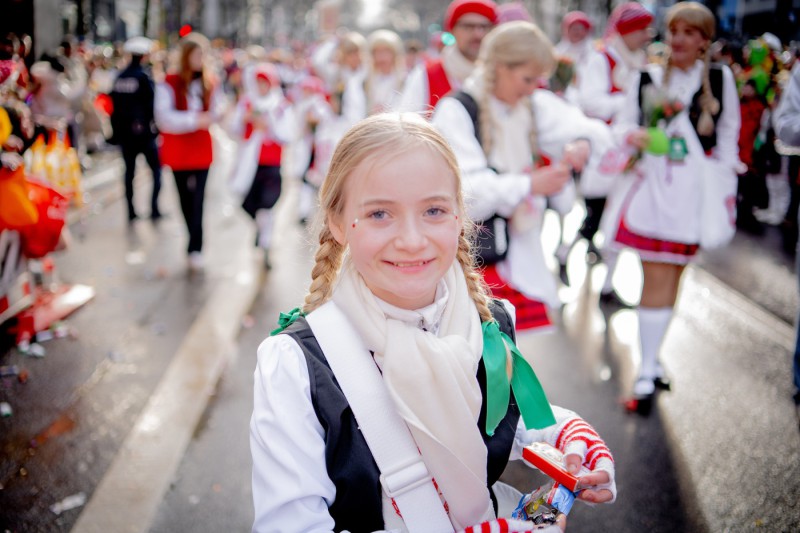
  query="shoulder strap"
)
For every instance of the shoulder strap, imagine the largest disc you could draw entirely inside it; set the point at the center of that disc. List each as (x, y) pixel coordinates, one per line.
(404, 476)
(471, 106)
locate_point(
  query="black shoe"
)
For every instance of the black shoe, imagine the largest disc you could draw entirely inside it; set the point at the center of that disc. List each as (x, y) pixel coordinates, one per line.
(750, 224)
(593, 255)
(156, 215)
(612, 299)
(132, 217)
(662, 383)
(562, 273)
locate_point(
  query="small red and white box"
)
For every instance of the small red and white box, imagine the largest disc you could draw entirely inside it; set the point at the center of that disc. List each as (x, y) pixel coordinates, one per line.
(550, 461)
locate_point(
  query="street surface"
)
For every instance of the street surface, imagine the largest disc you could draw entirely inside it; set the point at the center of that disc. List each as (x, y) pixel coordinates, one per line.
(720, 452)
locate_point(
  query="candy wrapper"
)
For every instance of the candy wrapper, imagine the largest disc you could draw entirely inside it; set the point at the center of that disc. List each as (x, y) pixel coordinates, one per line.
(545, 504)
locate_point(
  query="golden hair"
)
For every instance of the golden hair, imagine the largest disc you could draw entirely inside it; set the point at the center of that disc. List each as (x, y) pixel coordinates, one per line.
(383, 135)
(189, 44)
(392, 41)
(697, 16)
(512, 44)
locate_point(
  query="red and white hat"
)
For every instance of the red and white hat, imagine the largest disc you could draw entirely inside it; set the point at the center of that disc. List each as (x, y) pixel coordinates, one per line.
(268, 72)
(629, 17)
(459, 8)
(576, 17)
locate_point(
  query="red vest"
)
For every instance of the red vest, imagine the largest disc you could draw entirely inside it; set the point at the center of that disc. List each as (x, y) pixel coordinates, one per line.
(270, 154)
(611, 64)
(185, 151)
(438, 84)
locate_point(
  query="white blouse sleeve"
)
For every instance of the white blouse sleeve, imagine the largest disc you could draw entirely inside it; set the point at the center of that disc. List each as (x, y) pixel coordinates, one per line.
(291, 487)
(169, 119)
(486, 191)
(354, 100)
(594, 89)
(414, 97)
(727, 149)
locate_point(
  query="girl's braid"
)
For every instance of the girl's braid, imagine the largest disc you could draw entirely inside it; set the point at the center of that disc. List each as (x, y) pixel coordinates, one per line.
(475, 285)
(486, 116)
(708, 103)
(328, 260)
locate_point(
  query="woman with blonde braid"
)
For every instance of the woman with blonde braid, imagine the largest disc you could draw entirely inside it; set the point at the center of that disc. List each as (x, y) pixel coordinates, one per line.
(516, 146)
(394, 285)
(663, 211)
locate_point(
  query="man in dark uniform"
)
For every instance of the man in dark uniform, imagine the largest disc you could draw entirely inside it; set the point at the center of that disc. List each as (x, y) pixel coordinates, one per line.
(132, 121)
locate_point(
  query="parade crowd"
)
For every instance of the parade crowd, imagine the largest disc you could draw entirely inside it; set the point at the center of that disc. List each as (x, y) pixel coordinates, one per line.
(665, 136)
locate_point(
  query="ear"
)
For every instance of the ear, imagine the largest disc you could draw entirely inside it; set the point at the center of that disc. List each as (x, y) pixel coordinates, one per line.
(337, 229)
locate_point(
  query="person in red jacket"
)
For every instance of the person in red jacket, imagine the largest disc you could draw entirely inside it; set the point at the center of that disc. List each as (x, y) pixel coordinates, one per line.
(469, 21)
(186, 104)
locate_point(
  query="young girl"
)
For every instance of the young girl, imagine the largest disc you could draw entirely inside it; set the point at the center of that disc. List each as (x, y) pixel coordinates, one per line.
(186, 104)
(662, 206)
(394, 260)
(264, 112)
(503, 148)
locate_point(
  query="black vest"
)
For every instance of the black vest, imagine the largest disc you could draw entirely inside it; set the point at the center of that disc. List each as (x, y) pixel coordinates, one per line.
(716, 81)
(133, 96)
(357, 506)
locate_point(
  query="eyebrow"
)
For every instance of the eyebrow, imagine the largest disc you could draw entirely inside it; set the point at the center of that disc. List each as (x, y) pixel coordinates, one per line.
(428, 199)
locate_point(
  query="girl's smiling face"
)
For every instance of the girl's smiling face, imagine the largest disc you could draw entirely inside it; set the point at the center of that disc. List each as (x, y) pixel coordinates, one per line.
(686, 44)
(402, 225)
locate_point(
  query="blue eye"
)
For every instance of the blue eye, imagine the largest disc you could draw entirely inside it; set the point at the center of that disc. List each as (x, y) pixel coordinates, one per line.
(435, 211)
(378, 215)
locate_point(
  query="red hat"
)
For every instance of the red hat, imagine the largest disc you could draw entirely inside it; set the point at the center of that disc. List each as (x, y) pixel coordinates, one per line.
(576, 17)
(459, 8)
(629, 17)
(268, 72)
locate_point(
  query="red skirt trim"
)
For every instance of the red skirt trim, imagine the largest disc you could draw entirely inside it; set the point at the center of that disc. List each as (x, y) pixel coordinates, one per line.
(649, 244)
(531, 314)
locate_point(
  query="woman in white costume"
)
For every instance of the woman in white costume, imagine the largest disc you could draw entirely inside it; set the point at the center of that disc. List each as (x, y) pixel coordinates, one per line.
(662, 206)
(530, 140)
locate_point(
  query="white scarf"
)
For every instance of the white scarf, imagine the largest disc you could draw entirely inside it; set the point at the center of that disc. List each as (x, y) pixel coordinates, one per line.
(629, 61)
(456, 66)
(433, 383)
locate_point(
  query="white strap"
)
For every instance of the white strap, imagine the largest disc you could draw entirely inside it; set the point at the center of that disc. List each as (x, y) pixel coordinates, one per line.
(403, 474)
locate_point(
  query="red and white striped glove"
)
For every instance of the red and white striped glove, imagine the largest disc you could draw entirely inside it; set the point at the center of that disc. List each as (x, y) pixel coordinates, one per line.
(507, 525)
(578, 437)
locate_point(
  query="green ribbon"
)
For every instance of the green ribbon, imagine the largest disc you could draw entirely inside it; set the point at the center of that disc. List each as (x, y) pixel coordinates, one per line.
(533, 405)
(287, 319)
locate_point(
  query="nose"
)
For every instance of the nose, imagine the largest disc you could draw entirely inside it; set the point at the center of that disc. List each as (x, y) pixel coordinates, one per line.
(411, 236)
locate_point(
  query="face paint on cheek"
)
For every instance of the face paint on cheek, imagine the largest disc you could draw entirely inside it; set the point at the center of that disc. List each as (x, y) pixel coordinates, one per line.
(354, 223)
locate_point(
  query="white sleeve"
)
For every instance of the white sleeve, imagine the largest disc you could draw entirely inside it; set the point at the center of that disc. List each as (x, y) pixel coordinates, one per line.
(594, 89)
(727, 149)
(169, 119)
(354, 100)
(627, 118)
(786, 118)
(415, 91)
(560, 122)
(291, 488)
(487, 192)
(283, 122)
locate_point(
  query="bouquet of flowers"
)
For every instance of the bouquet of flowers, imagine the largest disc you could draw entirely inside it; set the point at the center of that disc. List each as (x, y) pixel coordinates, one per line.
(658, 110)
(562, 76)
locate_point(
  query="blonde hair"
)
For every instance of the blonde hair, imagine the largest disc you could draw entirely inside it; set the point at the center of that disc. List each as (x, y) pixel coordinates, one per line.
(350, 42)
(382, 135)
(697, 16)
(512, 44)
(392, 41)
